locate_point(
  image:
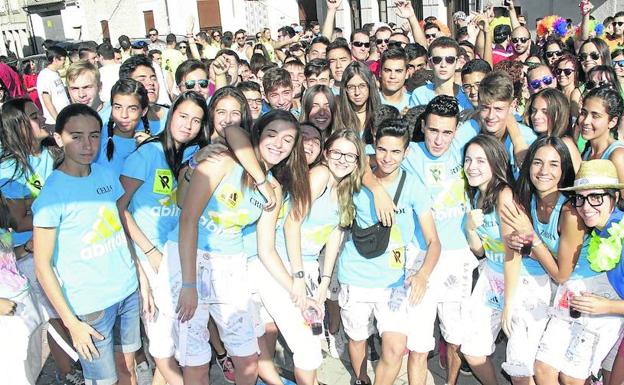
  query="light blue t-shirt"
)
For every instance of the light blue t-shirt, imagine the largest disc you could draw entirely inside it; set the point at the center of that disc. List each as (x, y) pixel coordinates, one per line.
(250, 239)
(422, 95)
(406, 101)
(156, 126)
(605, 155)
(91, 257)
(386, 270)
(490, 235)
(27, 185)
(230, 208)
(122, 148)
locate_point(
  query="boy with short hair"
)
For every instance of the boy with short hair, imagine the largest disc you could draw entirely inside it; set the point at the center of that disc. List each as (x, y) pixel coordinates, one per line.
(392, 78)
(317, 72)
(339, 57)
(83, 85)
(278, 90)
(50, 86)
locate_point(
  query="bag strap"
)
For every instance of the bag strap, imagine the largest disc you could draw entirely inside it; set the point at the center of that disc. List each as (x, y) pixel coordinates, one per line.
(397, 194)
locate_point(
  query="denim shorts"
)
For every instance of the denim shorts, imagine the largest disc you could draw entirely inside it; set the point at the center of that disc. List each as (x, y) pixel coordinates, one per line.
(119, 325)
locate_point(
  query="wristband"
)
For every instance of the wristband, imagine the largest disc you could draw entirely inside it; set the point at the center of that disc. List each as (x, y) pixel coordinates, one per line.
(192, 163)
(536, 243)
(189, 285)
(149, 251)
(326, 276)
(260, 183)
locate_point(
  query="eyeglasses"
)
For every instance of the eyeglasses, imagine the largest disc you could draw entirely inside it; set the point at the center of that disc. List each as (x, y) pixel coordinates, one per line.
(254, 101)
(594, 200)
(360, 87)
(430, 35)
(337, 155)
(522, 40)
(564, 71)
(550, 54)
(619, 63)
(590, 85)
(537, 83)
(216, 35)
(380, 41)
(182, 47)
(190, 84)
(361, 44)
(593, 55)
(467, 87)
(438, 59)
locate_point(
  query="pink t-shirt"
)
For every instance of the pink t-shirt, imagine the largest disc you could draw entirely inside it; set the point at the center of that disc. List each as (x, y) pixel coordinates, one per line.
(12, 282)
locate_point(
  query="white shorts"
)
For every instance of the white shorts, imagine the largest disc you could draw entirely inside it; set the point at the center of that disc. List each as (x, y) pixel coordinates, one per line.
(224, 295)
(529, 318)
(359, 305)
(21, 336)
(577, 347)
(26, 266)
(305, 346)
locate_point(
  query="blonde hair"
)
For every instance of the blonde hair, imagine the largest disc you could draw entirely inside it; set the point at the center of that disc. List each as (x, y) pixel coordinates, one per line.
(78, 68)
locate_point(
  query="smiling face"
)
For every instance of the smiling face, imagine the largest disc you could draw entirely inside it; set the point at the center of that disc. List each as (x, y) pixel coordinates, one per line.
(254, 99)
(564, 79)
(476, 167)
(594, 119)
(542, 78)
(147, 77)
(389, 153)
(545, 171)
(470, 85)
(393, 75)
(277, 141)
(227, 112)
(280, 98)
(186, 122)
(521, 40)
(341, 167)
(311, 143)
(320, 113)
(599, 215)
(539, 116)
(35, 116)
(494, 116)
(590, 57)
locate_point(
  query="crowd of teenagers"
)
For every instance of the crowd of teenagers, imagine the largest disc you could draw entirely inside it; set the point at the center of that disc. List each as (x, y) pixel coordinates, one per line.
(168, 203)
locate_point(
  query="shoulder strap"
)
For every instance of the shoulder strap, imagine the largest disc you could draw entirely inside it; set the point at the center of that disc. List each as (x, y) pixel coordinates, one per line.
(397, 194)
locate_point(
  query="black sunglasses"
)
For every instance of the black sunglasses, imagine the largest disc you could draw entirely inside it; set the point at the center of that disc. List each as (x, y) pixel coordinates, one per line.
(593, 55)
(523, 40)
(565, 71)
(550, 54)
(618, 23)
(430, 36)
(448, 59)
(361, 44)
(190, 84)
(379, 41)
(590, 85)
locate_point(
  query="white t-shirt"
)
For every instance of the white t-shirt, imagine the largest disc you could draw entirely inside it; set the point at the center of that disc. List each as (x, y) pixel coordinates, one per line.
(109, 74)
(50, 82)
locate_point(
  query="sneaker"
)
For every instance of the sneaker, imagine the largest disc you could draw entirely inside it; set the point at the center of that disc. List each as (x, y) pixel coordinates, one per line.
(465, 368)
(227, 368)
(361, 382)
(74, 377)
(144, 374)
(442, 359)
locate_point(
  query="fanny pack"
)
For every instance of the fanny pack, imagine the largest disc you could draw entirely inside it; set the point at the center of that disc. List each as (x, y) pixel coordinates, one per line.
(371, 242)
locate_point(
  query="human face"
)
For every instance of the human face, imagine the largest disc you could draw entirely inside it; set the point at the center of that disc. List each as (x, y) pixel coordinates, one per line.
(545, 171)
(399, 39)
(80, 140)
(316, 29)
(127, 114)
(564, 79)
(186, 122)
(590, 57)
(416, 65)
(216, 35)
(540, 76)
(254, 99)
(431, 34)
(477, 168)
(381, 39)
(494, 116)
(338, 59)
(595, 216)
(553, 53)
(36, 122)
(117, 58)
(147, 77)
(153, 36)
(240, 39)
(360, 47)
(341, 167)
(277, 141)
(311, 143)
(357, 91)
(280, 98)
(443, 71)
(389, 153)
(594, 119)
(320, 114)
(393, 75)
(618, 65)
(92, 58)
(200, 77)
(317, 51)
(297, 77)
(439, 132)
(84, 90)
(597, 79)
(322, 78)
(470, 85)
(618, 26)
(157, 58)
(539, 116)
(245, 73)
(227, 112)
(520, 40)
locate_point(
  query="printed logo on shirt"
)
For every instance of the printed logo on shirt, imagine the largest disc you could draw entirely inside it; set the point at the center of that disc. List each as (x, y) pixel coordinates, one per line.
(105, 234)
(396, 255)
(168, 205)
(317, 235)
(163, 181)
(229, 196)
(435, 173)
(34, 184)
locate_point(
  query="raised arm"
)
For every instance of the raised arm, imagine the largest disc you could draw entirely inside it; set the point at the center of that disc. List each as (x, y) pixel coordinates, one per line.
(406, 11)
(328, 24)
(515, 23)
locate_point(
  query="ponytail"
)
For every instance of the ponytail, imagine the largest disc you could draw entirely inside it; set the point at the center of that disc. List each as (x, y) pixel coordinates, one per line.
(146, 126)
(110, 145)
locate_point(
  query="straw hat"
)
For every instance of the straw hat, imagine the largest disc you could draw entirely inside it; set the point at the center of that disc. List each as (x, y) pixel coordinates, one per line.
(596, 174)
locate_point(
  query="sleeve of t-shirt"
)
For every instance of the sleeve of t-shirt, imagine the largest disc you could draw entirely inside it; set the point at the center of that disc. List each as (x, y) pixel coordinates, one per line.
(12, 187)
(47, 208)
(421, 201)
(44, 84)
(466, 131)
(137, 164)
(528, 134)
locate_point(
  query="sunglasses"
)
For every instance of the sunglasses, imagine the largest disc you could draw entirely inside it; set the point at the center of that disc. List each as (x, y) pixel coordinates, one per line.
(537, 83)
(153, 34)
(590, 85)
(618, 23)
(438, 59)
(550, 54)
(594, 200)
(361, 44)
(593, 55)
(522, 40)
(380, 41)
(565, 71)
(190, 84)
(619, 63)
(430, 35)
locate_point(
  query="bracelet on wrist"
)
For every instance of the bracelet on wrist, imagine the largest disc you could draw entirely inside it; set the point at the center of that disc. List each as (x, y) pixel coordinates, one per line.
(256, 185)
(536, 243)
(150, 250)
(326, 276)
(189, 285)
(192, 163)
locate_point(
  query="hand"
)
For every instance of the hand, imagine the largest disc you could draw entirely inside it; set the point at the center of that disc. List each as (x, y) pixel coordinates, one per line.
(510, 5)
(384, 207)
(220, 65)
(155, 258)
(190, 24)
(515, 217)
(298, 292)
(333, 4)
(82, 335)
(474, 219)
(404, 9)
(590, 303)
(506, 321)
(480, 21)
(266, 189)
(187, 303)
(419, 288)
(213, 152)
(405, 26)
(586, 7)
(321, 292)
(7, 307)
(148, 307)
(309, 302)
(141, 137)
(514, 241)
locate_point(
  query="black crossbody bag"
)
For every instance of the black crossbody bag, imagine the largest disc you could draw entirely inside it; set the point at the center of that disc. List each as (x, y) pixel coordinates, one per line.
(372, 241)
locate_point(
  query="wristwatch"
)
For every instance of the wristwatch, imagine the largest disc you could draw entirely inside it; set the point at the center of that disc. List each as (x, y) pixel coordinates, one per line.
(299, 274)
